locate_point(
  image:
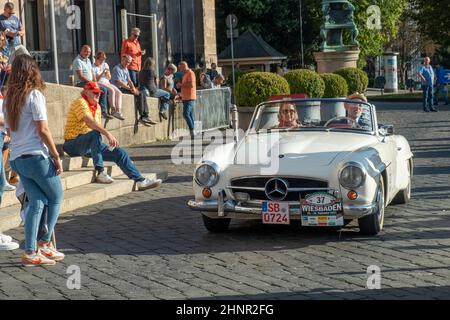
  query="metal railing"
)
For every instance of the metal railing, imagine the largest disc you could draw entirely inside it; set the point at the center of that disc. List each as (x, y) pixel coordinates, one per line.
(213, 108)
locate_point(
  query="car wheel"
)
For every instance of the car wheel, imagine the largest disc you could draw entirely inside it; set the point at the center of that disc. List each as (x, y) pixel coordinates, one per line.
(372, 224)
(404, 196)
(216, 225)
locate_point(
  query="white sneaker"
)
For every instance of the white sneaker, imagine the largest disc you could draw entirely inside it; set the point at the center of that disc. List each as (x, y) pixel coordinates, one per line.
(149, 184)
(9, 187)
(5, 239)
(6, 243)
(103, 178)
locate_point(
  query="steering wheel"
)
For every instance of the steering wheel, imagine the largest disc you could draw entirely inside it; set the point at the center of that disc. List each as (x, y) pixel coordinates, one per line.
(340, 122)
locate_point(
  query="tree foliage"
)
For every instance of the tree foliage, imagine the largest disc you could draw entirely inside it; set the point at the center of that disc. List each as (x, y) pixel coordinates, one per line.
(277, 21)
(433, 17)
(373, 40)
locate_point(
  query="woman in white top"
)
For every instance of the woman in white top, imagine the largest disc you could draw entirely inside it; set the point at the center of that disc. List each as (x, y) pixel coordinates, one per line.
(102, 74)
(34, 157)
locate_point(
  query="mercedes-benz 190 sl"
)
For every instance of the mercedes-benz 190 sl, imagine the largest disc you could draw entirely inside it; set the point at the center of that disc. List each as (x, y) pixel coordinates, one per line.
(325, 162)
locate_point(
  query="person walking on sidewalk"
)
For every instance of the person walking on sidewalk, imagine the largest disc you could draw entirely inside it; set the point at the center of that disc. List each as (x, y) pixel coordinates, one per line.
(440, 85)
(426, 74)
(188, 88)
(34, 157)
(132, 47)
(83, 137)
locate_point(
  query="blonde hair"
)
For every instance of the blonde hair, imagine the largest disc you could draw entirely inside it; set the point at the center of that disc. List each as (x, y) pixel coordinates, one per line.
(357, 96)
(172, 67)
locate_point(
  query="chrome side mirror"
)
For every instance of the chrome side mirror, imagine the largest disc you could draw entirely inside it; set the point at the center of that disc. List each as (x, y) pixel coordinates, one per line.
(387, 130)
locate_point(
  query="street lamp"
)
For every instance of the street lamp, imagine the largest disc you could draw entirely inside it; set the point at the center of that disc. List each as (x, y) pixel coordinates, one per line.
(301, 33)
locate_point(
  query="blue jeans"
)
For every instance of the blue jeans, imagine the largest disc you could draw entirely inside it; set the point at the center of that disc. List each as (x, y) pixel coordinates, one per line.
(164, 102)
(134, 75)
(43, 187)
(427, 97)
(440, 89)
(103, 97)
(90, 144)
(188, 113)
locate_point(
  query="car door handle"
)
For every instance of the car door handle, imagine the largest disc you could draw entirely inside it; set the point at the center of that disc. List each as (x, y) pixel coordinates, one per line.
(399, 149)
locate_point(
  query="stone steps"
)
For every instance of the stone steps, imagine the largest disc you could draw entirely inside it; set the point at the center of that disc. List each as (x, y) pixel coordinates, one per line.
(79, 189)
(79, 197)
(70, 180)
(76, 163)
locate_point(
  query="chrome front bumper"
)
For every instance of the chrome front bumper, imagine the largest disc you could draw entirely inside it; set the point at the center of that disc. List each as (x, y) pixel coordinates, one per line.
(230, 209)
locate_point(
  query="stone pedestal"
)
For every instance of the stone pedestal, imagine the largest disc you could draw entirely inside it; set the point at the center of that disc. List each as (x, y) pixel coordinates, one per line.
(329, 62)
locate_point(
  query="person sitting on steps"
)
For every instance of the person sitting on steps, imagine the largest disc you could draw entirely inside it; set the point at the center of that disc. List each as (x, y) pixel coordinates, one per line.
(83, 137)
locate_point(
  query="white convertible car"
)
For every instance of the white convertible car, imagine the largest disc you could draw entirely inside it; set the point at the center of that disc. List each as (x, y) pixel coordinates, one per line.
(325, 162)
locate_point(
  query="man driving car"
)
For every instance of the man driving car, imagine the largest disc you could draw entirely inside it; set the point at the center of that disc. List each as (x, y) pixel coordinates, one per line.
(355, 111)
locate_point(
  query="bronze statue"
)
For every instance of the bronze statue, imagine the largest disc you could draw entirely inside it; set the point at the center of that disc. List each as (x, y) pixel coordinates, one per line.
(339, 17)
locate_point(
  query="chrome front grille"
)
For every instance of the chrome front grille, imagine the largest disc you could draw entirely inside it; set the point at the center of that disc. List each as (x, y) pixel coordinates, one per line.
(255, 187)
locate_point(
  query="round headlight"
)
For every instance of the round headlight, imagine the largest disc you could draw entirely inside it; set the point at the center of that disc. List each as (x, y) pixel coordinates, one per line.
(207, 175)
(352, 177)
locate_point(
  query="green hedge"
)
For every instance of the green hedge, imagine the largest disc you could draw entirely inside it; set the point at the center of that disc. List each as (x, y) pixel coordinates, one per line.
(256, 87)
(357, 80)
(238, 75)
(307, 82)
(335, 86)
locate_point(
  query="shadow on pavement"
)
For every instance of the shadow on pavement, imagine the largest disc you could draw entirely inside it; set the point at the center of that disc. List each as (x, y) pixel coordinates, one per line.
(407, 293)
(167, 227)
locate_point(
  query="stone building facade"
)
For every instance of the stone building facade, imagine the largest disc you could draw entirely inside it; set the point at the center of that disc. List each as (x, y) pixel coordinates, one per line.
(186, 29)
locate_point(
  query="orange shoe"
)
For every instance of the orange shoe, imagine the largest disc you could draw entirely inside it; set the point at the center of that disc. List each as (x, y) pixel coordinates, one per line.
(36, 260)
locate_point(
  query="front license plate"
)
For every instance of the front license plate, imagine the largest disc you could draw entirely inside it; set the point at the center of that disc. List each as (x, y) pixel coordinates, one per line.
(322, 210)
(276, 213)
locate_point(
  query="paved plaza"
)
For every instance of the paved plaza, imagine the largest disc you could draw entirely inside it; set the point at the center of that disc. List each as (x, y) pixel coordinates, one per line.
(150, 245)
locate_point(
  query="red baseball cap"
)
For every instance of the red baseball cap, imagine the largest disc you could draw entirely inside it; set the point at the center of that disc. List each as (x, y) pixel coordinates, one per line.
(92, 86)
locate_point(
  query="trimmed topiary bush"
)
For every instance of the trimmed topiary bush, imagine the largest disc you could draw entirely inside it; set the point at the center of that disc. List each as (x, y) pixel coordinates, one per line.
(305, 81)
(357, 80)
(238, 75)
(256, 87)
(335, 86)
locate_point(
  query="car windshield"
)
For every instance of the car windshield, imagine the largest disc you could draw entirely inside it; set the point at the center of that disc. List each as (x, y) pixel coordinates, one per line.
(309, 114)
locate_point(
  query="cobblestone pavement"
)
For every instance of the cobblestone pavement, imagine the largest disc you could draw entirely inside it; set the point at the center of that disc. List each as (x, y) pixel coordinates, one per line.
(151, 246)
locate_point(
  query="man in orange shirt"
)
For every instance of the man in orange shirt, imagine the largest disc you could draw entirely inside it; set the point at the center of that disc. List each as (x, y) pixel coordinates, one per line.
(132, 47)
(188, 94)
